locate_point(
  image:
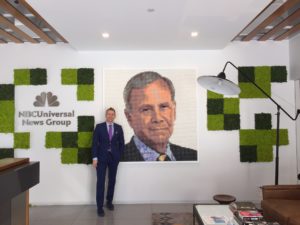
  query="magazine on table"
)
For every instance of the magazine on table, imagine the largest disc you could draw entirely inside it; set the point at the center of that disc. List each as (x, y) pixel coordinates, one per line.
(215, 220)
(249, 213)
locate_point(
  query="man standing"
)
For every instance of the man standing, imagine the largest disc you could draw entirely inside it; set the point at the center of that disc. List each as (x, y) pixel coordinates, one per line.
(107, 148)
(151, 113)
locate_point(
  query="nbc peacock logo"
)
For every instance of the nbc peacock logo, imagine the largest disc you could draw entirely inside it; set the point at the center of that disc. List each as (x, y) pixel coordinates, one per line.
(46, 97)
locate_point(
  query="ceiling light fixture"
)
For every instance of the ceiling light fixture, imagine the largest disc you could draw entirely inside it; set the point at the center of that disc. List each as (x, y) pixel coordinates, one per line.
(105, 35)
(194, 34)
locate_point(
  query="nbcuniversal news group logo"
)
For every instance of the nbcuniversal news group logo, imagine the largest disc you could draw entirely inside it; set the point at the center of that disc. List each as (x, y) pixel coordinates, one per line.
(41, 100)
(46, 117)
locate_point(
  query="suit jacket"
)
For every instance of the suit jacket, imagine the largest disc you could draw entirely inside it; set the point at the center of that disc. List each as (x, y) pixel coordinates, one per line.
(101, 142)
(131, 153)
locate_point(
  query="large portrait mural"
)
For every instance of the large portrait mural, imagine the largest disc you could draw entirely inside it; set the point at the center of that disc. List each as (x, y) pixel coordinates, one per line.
(157, 109)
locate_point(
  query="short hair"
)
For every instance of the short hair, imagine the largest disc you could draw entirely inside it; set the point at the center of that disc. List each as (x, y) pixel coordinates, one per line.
(110, 109)
(141, 80)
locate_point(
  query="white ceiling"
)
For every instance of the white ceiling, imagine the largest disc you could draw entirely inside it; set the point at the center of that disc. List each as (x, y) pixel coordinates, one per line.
(132, 27)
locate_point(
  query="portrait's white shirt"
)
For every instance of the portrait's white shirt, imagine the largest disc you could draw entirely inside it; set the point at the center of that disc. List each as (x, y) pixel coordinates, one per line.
(148, 153)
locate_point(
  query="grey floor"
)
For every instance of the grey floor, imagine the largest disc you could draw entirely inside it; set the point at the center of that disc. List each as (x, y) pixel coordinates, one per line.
(138, 214)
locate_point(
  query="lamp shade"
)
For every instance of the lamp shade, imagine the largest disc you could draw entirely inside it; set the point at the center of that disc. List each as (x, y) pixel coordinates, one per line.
(219, 84)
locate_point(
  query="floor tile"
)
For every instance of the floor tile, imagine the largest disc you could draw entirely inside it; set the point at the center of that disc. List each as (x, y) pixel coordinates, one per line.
(124, 214)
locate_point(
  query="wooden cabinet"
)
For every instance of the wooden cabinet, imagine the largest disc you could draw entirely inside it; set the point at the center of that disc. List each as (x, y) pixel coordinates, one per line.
(17, 176)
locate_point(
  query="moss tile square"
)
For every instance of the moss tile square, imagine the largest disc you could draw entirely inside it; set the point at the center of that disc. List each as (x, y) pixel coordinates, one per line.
(6, 153)
(231, 121)
(85, 76)
(85, 123)
(244, 73)
(215, 106)
(231, 106)
(85, 92)
(22, 140)
(263, 121)
(215, 122)
(85, 139)
(262, 73)
(264, 153)
(263, 78)
(84, 156)
(7, 116)
(69, 156)
(263, 137)
(53, 140)
(283, 136)
(248, 153)
(38, 76)
(248, 90)
(22, 77)
(278, 74)
(7, 92)
(69, 139)
(69, 76)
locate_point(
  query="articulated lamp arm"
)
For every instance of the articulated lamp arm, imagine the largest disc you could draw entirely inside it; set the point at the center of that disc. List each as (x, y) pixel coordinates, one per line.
(266, 94)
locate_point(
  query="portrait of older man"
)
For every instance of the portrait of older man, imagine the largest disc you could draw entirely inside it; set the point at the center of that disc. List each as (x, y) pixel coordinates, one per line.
(150, 109)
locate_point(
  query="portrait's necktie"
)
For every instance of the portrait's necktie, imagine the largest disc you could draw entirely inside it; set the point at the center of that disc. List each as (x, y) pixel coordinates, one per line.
(110, 131)
(163, 157)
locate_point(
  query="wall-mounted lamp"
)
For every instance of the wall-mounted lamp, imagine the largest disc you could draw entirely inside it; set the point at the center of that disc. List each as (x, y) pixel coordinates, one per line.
(221, 85)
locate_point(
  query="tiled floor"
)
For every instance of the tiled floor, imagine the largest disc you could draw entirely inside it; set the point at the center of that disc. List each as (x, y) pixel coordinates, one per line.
(139, 214)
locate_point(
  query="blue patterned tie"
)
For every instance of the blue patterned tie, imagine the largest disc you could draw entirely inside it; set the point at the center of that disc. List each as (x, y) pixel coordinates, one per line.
(110, 131)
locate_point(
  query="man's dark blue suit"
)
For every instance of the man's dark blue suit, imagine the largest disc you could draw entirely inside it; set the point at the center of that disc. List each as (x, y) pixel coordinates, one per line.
(108, 153)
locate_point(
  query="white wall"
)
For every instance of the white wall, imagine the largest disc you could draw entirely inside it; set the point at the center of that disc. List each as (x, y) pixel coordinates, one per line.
(297, 92)
(295, 74)
(294, 57)
(219, 169)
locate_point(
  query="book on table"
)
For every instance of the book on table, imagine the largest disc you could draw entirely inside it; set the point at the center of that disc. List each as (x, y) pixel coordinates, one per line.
(215, 220)
(249, 215)
(235, 206)
(261, 222)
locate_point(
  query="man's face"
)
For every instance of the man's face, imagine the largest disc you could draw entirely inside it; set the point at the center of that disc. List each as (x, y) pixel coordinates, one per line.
(152, 113)
(110, 116)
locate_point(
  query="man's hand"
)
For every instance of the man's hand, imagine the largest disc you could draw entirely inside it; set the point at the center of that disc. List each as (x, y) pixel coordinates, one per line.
(95, 163)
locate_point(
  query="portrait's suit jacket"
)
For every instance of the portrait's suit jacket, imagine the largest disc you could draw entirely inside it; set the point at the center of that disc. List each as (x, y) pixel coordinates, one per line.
(131, 153)
(101, 142)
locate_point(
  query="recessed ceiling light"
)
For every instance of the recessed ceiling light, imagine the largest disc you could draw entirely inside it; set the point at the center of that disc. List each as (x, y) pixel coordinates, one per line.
(7, 15)
(46, 29)
(18, 23)
(150, 10)
(287, 27)
(28, 15)
(105, 35)
(194, 34)
(269, 27)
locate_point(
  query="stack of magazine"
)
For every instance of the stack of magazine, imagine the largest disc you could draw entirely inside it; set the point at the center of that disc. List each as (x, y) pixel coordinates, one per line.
(245, 213)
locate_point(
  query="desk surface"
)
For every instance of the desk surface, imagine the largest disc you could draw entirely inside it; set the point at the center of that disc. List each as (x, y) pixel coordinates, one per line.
(12, 162)
(17, 179)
